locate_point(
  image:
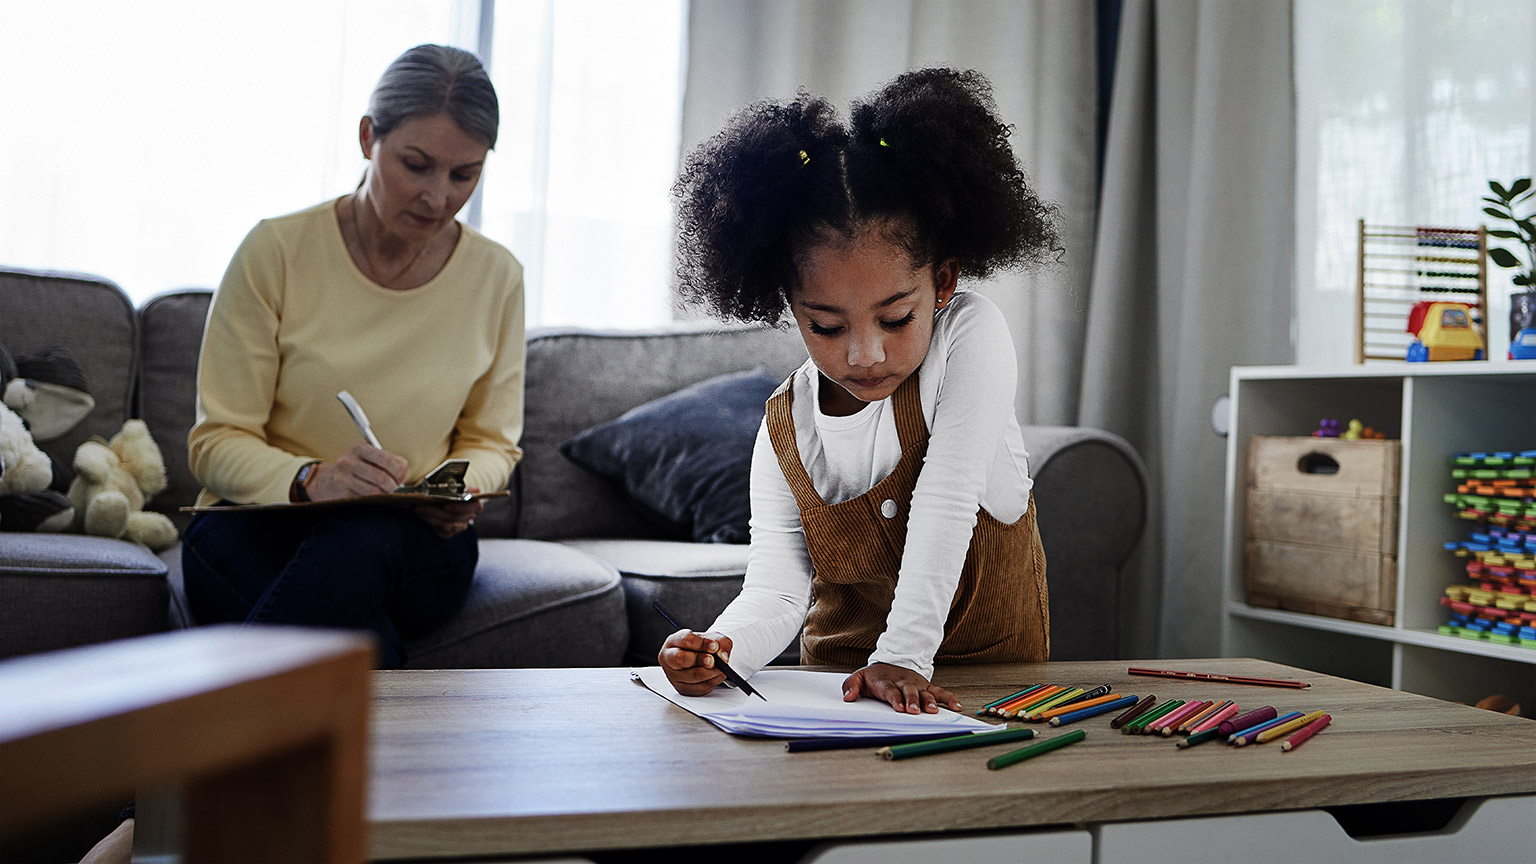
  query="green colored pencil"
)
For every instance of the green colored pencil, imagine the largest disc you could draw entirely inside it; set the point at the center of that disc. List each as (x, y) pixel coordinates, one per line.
(958, 742)
(1045, 746)
(1136, 726)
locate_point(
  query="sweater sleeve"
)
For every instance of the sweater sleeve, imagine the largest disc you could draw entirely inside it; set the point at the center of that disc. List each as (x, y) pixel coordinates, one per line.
(975, 400)
(491, 424)
(237, 378)
(776, 593)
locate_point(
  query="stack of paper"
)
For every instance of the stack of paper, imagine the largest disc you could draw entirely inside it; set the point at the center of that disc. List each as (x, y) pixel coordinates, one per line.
(803, 704)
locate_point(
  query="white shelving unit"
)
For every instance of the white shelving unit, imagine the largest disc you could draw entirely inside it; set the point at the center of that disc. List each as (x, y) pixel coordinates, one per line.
(1435, 409)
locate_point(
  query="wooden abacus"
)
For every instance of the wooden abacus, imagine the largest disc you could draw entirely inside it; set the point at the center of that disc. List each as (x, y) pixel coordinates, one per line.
(1403, 265)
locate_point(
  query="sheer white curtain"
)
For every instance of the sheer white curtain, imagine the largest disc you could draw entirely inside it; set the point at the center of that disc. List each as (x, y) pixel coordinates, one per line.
(144, 139)
(1405, 110)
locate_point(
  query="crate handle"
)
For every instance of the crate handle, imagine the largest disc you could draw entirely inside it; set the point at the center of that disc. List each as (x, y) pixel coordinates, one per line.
(1317, 463)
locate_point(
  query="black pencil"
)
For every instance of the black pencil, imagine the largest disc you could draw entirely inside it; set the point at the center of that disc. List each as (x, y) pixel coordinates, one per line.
(851, 742)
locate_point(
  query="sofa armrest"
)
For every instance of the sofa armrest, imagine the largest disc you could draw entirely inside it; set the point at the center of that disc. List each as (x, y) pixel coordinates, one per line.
(1091, 502)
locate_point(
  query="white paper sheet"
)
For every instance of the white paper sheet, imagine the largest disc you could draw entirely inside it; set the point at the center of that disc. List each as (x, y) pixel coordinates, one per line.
(802, 704)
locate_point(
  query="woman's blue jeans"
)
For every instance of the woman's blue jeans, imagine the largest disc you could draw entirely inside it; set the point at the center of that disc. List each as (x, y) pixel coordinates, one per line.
(378, 568)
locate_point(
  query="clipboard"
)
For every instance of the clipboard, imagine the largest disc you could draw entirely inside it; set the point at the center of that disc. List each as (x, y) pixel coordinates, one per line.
(444, 484)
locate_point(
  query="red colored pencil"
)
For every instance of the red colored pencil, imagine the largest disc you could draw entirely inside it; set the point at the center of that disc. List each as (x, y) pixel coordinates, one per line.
(1229, 679)
(1304, 733)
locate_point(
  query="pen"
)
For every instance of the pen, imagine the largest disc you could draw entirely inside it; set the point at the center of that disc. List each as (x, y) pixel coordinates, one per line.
(358, 417)
(730, 674)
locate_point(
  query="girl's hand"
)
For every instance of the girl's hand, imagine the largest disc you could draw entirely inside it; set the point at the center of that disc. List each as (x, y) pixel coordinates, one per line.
(685, 657)
(450, 517)
(904, 689)
(362, 470)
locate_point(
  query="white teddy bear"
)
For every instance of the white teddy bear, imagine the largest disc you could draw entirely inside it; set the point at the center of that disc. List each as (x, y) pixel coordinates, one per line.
(112, 481)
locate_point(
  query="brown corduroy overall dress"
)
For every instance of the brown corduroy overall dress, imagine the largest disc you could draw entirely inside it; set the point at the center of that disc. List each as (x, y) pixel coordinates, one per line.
(999, 611)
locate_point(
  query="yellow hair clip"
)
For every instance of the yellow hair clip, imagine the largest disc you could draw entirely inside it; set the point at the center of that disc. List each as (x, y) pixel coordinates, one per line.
(805, 158)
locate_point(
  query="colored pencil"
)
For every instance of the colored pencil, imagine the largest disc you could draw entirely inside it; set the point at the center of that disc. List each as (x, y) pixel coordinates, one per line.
(1227, 679)
(956, 742)
(1286, 728)
(1039, 695)
(1306, 732)
(1033, 750)
(1134, 711)
(1045, 704)
(996, 702)
(1214, 720)
(1091, 693)
(1075, 705)
(1151, 726)
(853, 742)
(1199, 738)
(1190, 723)
(1164, 725)
(1135, 726)
(1248, 735)
(1085, 713)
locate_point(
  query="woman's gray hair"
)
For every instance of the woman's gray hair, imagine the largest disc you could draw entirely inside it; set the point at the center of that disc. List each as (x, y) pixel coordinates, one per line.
(436, 79)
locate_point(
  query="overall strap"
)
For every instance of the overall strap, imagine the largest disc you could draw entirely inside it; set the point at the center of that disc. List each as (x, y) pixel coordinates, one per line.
(781, 432)
(908, 404)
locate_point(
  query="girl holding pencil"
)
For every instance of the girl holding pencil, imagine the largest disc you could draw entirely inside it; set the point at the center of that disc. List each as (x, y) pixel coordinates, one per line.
(891, 508)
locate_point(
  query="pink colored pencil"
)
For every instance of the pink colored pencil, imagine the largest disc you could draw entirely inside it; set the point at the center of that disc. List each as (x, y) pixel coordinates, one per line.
(1209, 709)
(1216, 719)
(1304, 733)
(1164, 725)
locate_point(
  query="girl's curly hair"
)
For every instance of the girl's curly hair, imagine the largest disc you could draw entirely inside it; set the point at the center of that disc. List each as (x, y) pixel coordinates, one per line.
(925, 159)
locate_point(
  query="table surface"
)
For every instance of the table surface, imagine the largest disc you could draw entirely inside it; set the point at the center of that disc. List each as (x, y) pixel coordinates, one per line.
(524, 761)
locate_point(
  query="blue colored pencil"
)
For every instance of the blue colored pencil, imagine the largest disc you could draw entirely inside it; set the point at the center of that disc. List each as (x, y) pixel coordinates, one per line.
(1074, 716)
(1245, 736)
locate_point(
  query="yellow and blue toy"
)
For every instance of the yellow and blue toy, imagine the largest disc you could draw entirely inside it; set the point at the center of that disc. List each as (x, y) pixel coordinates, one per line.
(1445, 332)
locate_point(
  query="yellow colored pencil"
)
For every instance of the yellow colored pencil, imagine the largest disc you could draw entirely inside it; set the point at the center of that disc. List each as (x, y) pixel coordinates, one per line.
(1075, 706)
(1007, 709)
(1286, 728)
(1052, 702)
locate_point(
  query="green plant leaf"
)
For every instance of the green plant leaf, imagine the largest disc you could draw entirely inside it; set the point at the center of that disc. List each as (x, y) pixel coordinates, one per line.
(1499, 202)
(1522, 279)
(1503, 257)
(1504, 235)
(1528, 224)
(1498, 189)
(1519, 186)
(1497, 214)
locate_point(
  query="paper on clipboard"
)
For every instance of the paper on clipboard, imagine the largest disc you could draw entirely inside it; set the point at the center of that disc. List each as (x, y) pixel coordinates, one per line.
(802, 704)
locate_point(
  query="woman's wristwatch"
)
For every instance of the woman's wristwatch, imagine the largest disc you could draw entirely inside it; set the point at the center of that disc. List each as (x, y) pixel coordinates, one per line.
(301, 481)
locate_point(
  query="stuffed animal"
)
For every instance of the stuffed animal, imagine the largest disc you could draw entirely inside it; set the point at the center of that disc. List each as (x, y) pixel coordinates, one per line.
(26, 502)
(113, 479)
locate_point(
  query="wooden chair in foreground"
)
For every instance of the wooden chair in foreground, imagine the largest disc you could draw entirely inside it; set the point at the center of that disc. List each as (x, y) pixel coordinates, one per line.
(265, 728)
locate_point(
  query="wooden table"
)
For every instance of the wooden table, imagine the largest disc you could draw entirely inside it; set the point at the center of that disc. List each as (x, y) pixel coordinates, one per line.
(503, 762)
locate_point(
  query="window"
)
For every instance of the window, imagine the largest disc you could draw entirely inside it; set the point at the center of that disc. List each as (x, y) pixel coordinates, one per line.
(145, 139)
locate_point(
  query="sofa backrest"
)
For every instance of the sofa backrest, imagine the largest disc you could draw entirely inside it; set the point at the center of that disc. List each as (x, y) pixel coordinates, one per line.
(170, 338)
(580, 378)
(93, 319)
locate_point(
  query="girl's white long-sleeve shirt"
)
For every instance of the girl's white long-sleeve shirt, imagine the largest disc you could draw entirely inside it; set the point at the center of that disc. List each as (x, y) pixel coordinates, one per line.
(975, 459)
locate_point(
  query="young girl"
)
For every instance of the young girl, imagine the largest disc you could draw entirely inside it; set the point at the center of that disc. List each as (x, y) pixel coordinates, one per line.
(891, 508)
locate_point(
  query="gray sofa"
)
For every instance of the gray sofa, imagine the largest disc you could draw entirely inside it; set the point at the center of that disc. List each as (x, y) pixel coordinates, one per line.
(568, 565)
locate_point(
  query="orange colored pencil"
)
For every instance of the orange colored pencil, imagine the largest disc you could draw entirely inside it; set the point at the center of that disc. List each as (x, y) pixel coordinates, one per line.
(997, 710)
(1203, 713)
(1049, 703)
(1220, 717)
(1075, 706)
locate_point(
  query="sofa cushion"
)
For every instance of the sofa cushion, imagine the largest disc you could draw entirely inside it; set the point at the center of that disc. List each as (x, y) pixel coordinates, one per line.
(170, 339)
(577, 379)
(532, 604)
(694, 581)
(62, 590)
(93, 320)
(685, 458)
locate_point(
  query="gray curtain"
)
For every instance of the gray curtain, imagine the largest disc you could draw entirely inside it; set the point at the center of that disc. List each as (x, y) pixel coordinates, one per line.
(1176, 270)
(1191, 272)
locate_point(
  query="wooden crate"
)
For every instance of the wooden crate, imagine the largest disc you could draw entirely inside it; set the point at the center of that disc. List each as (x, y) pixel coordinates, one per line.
(1322, 526)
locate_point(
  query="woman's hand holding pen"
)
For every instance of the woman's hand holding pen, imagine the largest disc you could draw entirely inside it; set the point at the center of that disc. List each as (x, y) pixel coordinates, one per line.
(686, 659)
(904, 689)
(449, 518)
(362, 470)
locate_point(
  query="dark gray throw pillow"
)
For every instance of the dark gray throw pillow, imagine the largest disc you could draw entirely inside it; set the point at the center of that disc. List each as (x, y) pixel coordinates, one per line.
(685, 458)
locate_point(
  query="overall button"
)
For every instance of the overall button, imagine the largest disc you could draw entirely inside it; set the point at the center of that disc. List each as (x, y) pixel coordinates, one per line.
(888, 509)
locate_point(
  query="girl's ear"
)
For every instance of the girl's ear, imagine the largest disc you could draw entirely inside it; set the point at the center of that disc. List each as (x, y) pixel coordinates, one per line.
(945, 277)
(365, 136)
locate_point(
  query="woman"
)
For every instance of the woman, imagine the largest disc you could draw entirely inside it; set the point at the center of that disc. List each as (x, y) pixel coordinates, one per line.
(382, 293)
